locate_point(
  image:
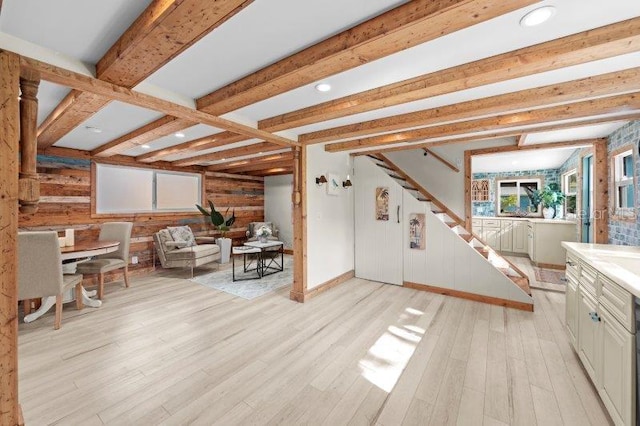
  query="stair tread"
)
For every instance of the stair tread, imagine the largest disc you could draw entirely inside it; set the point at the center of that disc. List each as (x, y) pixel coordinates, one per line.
(467, 237)
(424, 199)
(437, 211)
(483, 252)
(522, 282)
(452, 224)
(397, 177)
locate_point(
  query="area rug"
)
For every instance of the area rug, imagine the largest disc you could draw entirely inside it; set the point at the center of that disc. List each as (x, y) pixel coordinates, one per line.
(249, 289)
(549, 276)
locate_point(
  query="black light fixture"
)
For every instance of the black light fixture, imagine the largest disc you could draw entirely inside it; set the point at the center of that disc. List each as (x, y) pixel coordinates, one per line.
(347, 183)
(321, 180)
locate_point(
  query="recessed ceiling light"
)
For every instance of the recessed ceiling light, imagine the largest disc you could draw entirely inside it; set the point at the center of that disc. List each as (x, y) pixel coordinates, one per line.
(514, 162)
(223, 159)
(179, 135)
(145, 146)
(538, 16)
(323, 87)
(93, 129)
(260, 153)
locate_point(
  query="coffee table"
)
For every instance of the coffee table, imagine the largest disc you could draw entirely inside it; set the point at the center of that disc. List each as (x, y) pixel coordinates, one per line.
(268, 259)
(244, 251)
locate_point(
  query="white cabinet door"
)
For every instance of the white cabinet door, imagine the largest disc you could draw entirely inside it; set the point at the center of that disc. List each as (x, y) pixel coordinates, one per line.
(379, 249)
(589, 341)
(571, 311)
(531, 243)
(506, 235)
(491, 237)
(519, 236)
(618, 371)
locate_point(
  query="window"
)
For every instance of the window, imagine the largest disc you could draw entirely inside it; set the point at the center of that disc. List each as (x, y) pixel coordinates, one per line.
(624, 188)
(515, 197)
(570, 190)
(122, 189)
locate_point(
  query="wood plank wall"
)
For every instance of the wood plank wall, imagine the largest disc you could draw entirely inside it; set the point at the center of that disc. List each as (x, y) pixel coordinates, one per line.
(65, 203)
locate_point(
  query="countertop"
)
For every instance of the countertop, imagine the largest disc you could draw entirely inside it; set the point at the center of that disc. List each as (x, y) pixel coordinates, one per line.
(530, 219)
(619, 263)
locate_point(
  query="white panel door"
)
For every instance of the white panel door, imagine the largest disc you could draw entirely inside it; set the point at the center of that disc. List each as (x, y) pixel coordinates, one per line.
(519, 236)
(379, 247)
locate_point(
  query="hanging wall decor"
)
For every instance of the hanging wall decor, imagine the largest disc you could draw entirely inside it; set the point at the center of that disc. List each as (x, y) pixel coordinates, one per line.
(382, 203)
(417, 231)
(333, 184)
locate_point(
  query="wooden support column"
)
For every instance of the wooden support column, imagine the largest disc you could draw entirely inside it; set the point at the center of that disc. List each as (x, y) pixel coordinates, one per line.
(29, 186)
(9, 142)
(467, 191)
(600, 192)
(299, 224)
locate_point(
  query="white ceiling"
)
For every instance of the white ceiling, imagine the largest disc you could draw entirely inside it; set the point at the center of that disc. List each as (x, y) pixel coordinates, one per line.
(267, 31)
(578, 134)
(538, 159)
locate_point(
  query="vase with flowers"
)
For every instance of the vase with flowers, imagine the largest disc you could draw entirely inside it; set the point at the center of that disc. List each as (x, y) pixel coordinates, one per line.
(263, 233)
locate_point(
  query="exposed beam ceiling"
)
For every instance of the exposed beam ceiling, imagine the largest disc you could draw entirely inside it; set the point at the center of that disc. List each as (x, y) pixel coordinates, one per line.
(572, 91)
(600, 43)
(262, 166)
(620, 104)
(408, 25)
(503, 134)
(242, 151)
(230, 166)
(165, 29)
(213, 141)
(86, 83)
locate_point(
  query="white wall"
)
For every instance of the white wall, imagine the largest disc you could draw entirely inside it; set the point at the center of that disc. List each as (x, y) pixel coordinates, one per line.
(330, 229)
(278, 207)
(445, 184)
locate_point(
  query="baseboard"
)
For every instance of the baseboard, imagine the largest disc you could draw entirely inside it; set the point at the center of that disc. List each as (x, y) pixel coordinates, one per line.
(308, 294)
(550, 266)
(470, 296)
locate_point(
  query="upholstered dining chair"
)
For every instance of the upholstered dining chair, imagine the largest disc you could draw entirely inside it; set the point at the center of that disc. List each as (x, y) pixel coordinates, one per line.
(119, 259)
(40, 271)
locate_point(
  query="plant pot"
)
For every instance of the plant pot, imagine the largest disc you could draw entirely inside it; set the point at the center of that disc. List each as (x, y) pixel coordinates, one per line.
(225, 249)
(263, 239)
(548, 212)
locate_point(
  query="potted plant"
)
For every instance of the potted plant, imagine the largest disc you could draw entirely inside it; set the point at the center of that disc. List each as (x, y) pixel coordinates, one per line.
(263, 233)
(222, 224)
(550, 197)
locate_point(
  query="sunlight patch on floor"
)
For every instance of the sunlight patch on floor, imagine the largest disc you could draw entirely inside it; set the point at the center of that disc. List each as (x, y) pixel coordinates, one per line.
(387, 358)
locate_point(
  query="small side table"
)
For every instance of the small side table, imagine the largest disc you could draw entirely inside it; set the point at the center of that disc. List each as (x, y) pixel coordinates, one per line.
(244, 251)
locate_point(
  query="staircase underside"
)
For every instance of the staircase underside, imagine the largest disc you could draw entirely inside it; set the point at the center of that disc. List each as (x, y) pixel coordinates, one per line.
(515, 275)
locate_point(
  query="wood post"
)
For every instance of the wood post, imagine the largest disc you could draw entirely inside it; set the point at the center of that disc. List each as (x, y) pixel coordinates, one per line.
(600, 192)
(299, 224)
(9, 142)
(467, 192)
(29, 186)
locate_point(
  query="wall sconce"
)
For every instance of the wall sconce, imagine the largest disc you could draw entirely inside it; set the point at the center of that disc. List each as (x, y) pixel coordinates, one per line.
(321, 180)
(347, 183)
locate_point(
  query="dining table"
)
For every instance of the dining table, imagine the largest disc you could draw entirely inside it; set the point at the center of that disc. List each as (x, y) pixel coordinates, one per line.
(71, 256)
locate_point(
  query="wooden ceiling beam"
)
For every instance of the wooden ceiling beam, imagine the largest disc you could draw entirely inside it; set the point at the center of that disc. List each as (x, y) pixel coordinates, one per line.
(207, 142)
(259, 167)
(619, 104)
(165, 29)
(86, 83)
(506, 134)
(403, 27)
(600, 43)
(272, 172)
(240, 164)
(156, 129)
(572, 91)
(535, 147)
(226, 154)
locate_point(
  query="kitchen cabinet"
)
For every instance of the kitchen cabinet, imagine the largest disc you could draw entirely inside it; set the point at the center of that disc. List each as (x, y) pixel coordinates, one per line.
(506, 235)
(530, 242)
(519, 232)
(600, 321)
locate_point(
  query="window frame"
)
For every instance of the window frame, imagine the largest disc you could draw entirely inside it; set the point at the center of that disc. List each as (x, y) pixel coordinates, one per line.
(565, 189)
(618, 181)
(518, 179)
(154, 211)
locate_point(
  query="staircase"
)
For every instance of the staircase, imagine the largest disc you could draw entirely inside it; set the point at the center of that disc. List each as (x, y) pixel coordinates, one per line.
(454, 222)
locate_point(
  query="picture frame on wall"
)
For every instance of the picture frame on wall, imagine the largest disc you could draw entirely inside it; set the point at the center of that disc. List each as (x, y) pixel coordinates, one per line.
(333, 184)
(382, 203)
(417, 231)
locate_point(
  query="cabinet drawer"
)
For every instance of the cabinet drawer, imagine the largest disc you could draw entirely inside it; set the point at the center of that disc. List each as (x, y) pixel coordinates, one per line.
(618, 302)
(491, 223)
(588, 279)
(572, 266)
(476, 223)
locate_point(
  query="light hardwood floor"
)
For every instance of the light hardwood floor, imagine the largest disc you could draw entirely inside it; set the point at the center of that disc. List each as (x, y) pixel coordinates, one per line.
(167, 351)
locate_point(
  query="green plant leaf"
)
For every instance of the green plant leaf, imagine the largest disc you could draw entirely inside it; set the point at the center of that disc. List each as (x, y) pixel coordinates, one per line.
(203, 210)
(230, 221)
(216, 218)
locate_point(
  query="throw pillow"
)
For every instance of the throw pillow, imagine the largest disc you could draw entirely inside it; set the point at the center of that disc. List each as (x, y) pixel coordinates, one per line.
(258, 225)
(182, 233)
(164, 236)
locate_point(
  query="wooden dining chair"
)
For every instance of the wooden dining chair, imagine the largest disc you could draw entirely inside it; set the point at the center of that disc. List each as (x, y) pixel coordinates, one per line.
(119, 259)
(40, 271)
